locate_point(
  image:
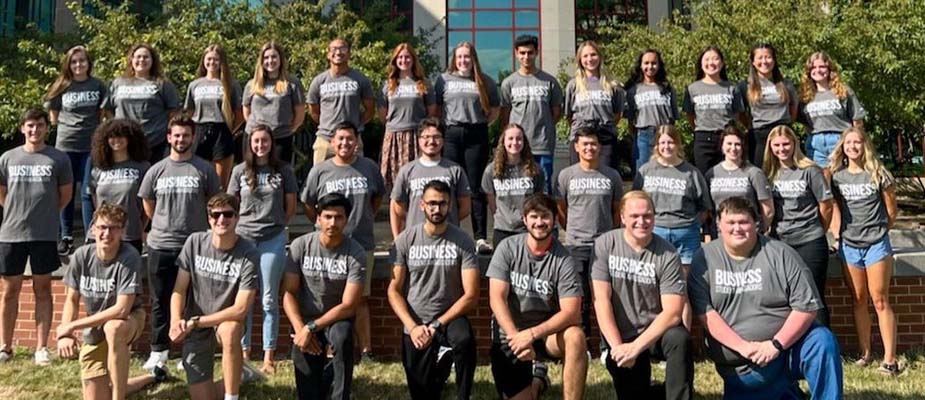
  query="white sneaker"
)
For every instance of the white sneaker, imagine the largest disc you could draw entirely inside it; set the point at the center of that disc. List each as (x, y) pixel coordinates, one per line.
(483, 247)
(41, 357)
(604, 355)
(249, 374)
(180, 366)
(6, 355)
(156, 359)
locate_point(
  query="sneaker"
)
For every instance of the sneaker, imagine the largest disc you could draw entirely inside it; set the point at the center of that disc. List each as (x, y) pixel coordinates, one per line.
(445, 357)
(541, 372)
(249, 374)
(6, 355)
(66, 246)
(156, 359)
(862, 362)
(889, 369)
(483, 247)
(160, 374)
(180, 366)
(42, 358)
(605, 354)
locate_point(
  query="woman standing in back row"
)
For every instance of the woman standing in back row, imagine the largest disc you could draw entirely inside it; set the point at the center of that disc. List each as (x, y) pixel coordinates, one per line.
(650, 103)
(275, 99)
(771, 99)
(593, 99)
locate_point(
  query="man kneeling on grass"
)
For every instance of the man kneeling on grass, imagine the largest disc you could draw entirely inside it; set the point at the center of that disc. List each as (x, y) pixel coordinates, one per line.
(216, 284)
(106, 276)
(535, 296)
(321, 291)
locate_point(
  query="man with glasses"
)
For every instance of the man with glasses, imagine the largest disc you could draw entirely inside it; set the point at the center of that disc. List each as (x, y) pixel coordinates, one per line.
(408, 189)
(336, 96)
(215, 287)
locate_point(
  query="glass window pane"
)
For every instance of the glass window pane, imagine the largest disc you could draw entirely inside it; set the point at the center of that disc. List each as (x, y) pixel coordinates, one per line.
(492, 3)
(459, 19)
(459, 4)
(455, 37)
(527, 3)
(495, 52)
(527, 19)
(493, 19)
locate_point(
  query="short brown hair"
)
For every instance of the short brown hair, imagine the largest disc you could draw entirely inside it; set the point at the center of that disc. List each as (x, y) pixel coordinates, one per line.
(540, 202)
(184, 121)
(224, 199)
(634, 195)
(34, 114)
(112, 212)
(736, 205)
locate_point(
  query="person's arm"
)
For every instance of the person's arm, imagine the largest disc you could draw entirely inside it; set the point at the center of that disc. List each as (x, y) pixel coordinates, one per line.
(767, 212)
(315, 111)
(889, 199)
(53, 117)
(795, 326)
(603, 309)
(290, 206)
(298, 117)
(691, 118)
(397, 299)
(178, 329)
(246, 110)
(563, 212)
(290, 287)
(826, 208)
(470, 298)
(615, 211)
(494, 113)
(347, 307)
(568, 315)
(397, 213)
(858, 124)
(672, 304)
(556, 113)
(310, 212)
(236, 312)
(239, 119)
(723, 333)
(149, 206)
(66, 344)
(120, 310)
(505, 115)
(3, 195)
(375, 203)
(384, 113)
(498, 290)
(492, 206)
(434, 111)
(465, 206)
(65, 193)
(369, 110)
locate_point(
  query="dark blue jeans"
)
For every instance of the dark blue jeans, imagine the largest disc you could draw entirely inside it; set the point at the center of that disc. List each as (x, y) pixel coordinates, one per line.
(815, 358)
(80, 167)
(545, 162)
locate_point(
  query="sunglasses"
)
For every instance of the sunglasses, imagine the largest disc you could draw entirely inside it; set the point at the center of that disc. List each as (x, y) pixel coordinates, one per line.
(227, 214)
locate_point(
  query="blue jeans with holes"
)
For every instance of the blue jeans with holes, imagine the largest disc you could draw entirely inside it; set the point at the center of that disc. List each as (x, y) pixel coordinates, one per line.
(815, 358)
(820, 145)
(272, 264)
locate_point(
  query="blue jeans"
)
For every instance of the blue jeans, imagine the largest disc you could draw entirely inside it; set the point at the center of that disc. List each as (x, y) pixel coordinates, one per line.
(642, 149)
(820, 145)
(545, 162)
(815, 358)
(272, 264)
(685, 238)
(80, 162)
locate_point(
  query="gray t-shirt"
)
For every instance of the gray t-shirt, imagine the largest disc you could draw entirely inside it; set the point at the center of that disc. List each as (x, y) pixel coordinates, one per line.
(595, 107)
(144, 101)
(78, 110)
(713, 105)
(216, 275)
(99, 282)
(324, 273)
(119, 185)
(827, 113)
(747, 181)
(510, 191)
(863, 212)
(770, 109)
(30, 212)
(531, 99)
(434, 263)
(459, 98)
(272, 109)
(649, 105)
(405, 106)
(797, 194)
(263, 209)
(679, 192)
(205, 97)
(360, 182)
(341, 99)
(409, 187)
(537, 282)
(638, 280)
(180, 190)
(754, 296)
(590, 196)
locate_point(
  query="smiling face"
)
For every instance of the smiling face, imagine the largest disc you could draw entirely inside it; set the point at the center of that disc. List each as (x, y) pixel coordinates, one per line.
(212, 61)
(588, 148)
(738, 230)
(590, 59)
(638, 217)
(711, 63)
(463, 60)
(344, 143)
(513, 141)
(223, 220)
(404, 61)
(117, 143)
(649, 65)
(666, 146)
(732, 148)
(180, 139)
(108, 233)
(338, 52)
(271, 61)
(142, 60)
(819, 71)
(539, 223)
(430, 142)
(35, 131)
(763, 61)
(526, 55)
(853, 146)
(782, 148)
(79, 65)
(261, 144)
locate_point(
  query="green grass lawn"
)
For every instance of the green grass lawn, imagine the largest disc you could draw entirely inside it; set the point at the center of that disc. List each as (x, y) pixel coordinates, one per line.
(20, 379)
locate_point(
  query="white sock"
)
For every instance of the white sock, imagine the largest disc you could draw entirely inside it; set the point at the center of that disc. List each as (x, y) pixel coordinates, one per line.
(231, 397)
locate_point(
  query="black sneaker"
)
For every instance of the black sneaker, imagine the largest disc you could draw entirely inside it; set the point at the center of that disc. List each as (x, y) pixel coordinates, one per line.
(541, 372)
(65, 246)
(889, 369)
(160, 374)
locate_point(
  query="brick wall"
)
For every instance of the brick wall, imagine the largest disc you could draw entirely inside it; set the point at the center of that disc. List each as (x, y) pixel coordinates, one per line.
(907, 296)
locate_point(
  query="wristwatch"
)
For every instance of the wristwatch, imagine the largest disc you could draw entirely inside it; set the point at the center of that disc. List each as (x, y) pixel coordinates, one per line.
(194, 322)
(435, 324)
(311, 326)
(777, 345)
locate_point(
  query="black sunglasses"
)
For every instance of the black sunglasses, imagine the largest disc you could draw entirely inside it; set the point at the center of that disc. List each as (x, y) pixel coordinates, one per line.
(226, 214)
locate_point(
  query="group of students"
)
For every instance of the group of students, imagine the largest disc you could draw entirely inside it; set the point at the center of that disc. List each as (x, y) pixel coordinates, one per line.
(150, 164)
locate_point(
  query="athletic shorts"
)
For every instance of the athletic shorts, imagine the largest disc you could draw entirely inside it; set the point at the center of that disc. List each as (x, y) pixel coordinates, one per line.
(370, 264)
(863, 257)
(94, 357)
(215, 141)
(686, 239)
(511, 374)
(199, 355)
(42, 257)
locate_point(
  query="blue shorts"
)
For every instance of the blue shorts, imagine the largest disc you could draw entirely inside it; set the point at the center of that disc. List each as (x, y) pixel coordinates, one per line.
(820, 145)
(863, 257)
(686, 239)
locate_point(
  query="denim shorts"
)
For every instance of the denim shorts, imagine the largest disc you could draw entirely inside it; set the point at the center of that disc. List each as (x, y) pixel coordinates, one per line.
(863, 257)
(686, 239)
(820, 145)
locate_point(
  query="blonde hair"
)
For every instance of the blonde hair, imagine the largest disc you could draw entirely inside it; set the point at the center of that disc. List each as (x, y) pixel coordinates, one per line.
(870, 161)
(282, 81)
(636, 195)
(581, 77)
(65, 76)
(225, 77)
(772, 164)
(417, 71)
(808, 85)
(476, 74)
(672, 132)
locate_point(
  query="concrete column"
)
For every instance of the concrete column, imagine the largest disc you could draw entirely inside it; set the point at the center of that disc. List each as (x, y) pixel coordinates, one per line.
(557, 31)
(428, 14)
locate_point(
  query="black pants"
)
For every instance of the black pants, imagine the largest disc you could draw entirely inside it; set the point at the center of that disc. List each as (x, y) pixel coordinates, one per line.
(707, 150)
(284, 148)
(500, 235)
(675, 348)
(582, 255)
(467, 145)
(757, 141)
(815, 253)
(158, 152)
(162, 274)
(426, 378)
(311, 382)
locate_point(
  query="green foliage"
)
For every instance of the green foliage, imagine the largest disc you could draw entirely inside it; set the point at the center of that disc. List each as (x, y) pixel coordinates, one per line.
(183, 31)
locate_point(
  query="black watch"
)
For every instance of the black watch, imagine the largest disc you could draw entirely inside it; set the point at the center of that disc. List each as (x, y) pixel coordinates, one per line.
(312, 326)
(195, 321)
(435, 324)
(777, 345)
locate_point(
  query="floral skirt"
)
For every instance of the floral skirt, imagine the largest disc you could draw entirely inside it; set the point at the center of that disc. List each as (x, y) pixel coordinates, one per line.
(398, 148)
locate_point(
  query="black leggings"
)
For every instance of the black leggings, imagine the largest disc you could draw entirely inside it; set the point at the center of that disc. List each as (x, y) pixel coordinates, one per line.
(467, 145)
(707, 150)
(815, 253)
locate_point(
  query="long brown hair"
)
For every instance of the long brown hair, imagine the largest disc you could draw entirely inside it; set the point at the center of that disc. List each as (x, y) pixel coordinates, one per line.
(282, 81)
(417, 71)
(225, 77)
(808, 85)
(476, 74)
(65, 76)
(754, 81)
(157, 72)
(250, 161)
(101, 153)
(527, 163)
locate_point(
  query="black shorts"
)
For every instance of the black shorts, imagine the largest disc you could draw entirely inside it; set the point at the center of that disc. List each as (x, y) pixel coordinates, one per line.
(512, 375)
(215, 141)
(42, 257)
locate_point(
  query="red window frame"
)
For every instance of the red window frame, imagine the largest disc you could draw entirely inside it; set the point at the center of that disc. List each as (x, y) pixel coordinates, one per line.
(513, 28)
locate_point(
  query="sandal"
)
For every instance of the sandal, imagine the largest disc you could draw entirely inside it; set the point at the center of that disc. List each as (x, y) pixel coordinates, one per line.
(889, 369)
(862, 362)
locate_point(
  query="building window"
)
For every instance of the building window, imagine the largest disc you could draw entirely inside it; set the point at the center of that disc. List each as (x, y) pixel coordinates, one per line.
(17, 14)
(403, 9)
(492, 25)
(593, 14)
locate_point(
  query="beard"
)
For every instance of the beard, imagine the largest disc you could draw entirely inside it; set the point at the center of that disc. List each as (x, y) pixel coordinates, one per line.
(540, 235)
(176, 148)
(435, 218)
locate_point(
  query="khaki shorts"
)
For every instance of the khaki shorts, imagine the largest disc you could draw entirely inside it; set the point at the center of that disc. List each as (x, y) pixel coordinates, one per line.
(322, 150)
(93, 357)
(370, 263)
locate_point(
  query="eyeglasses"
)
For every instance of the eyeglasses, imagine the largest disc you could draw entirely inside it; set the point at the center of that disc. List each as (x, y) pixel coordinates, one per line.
(226, 213)
(436, 204)
(110, 228)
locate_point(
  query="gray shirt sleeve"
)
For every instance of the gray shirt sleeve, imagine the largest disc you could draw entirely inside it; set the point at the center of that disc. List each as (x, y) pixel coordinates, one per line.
(697, 288)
